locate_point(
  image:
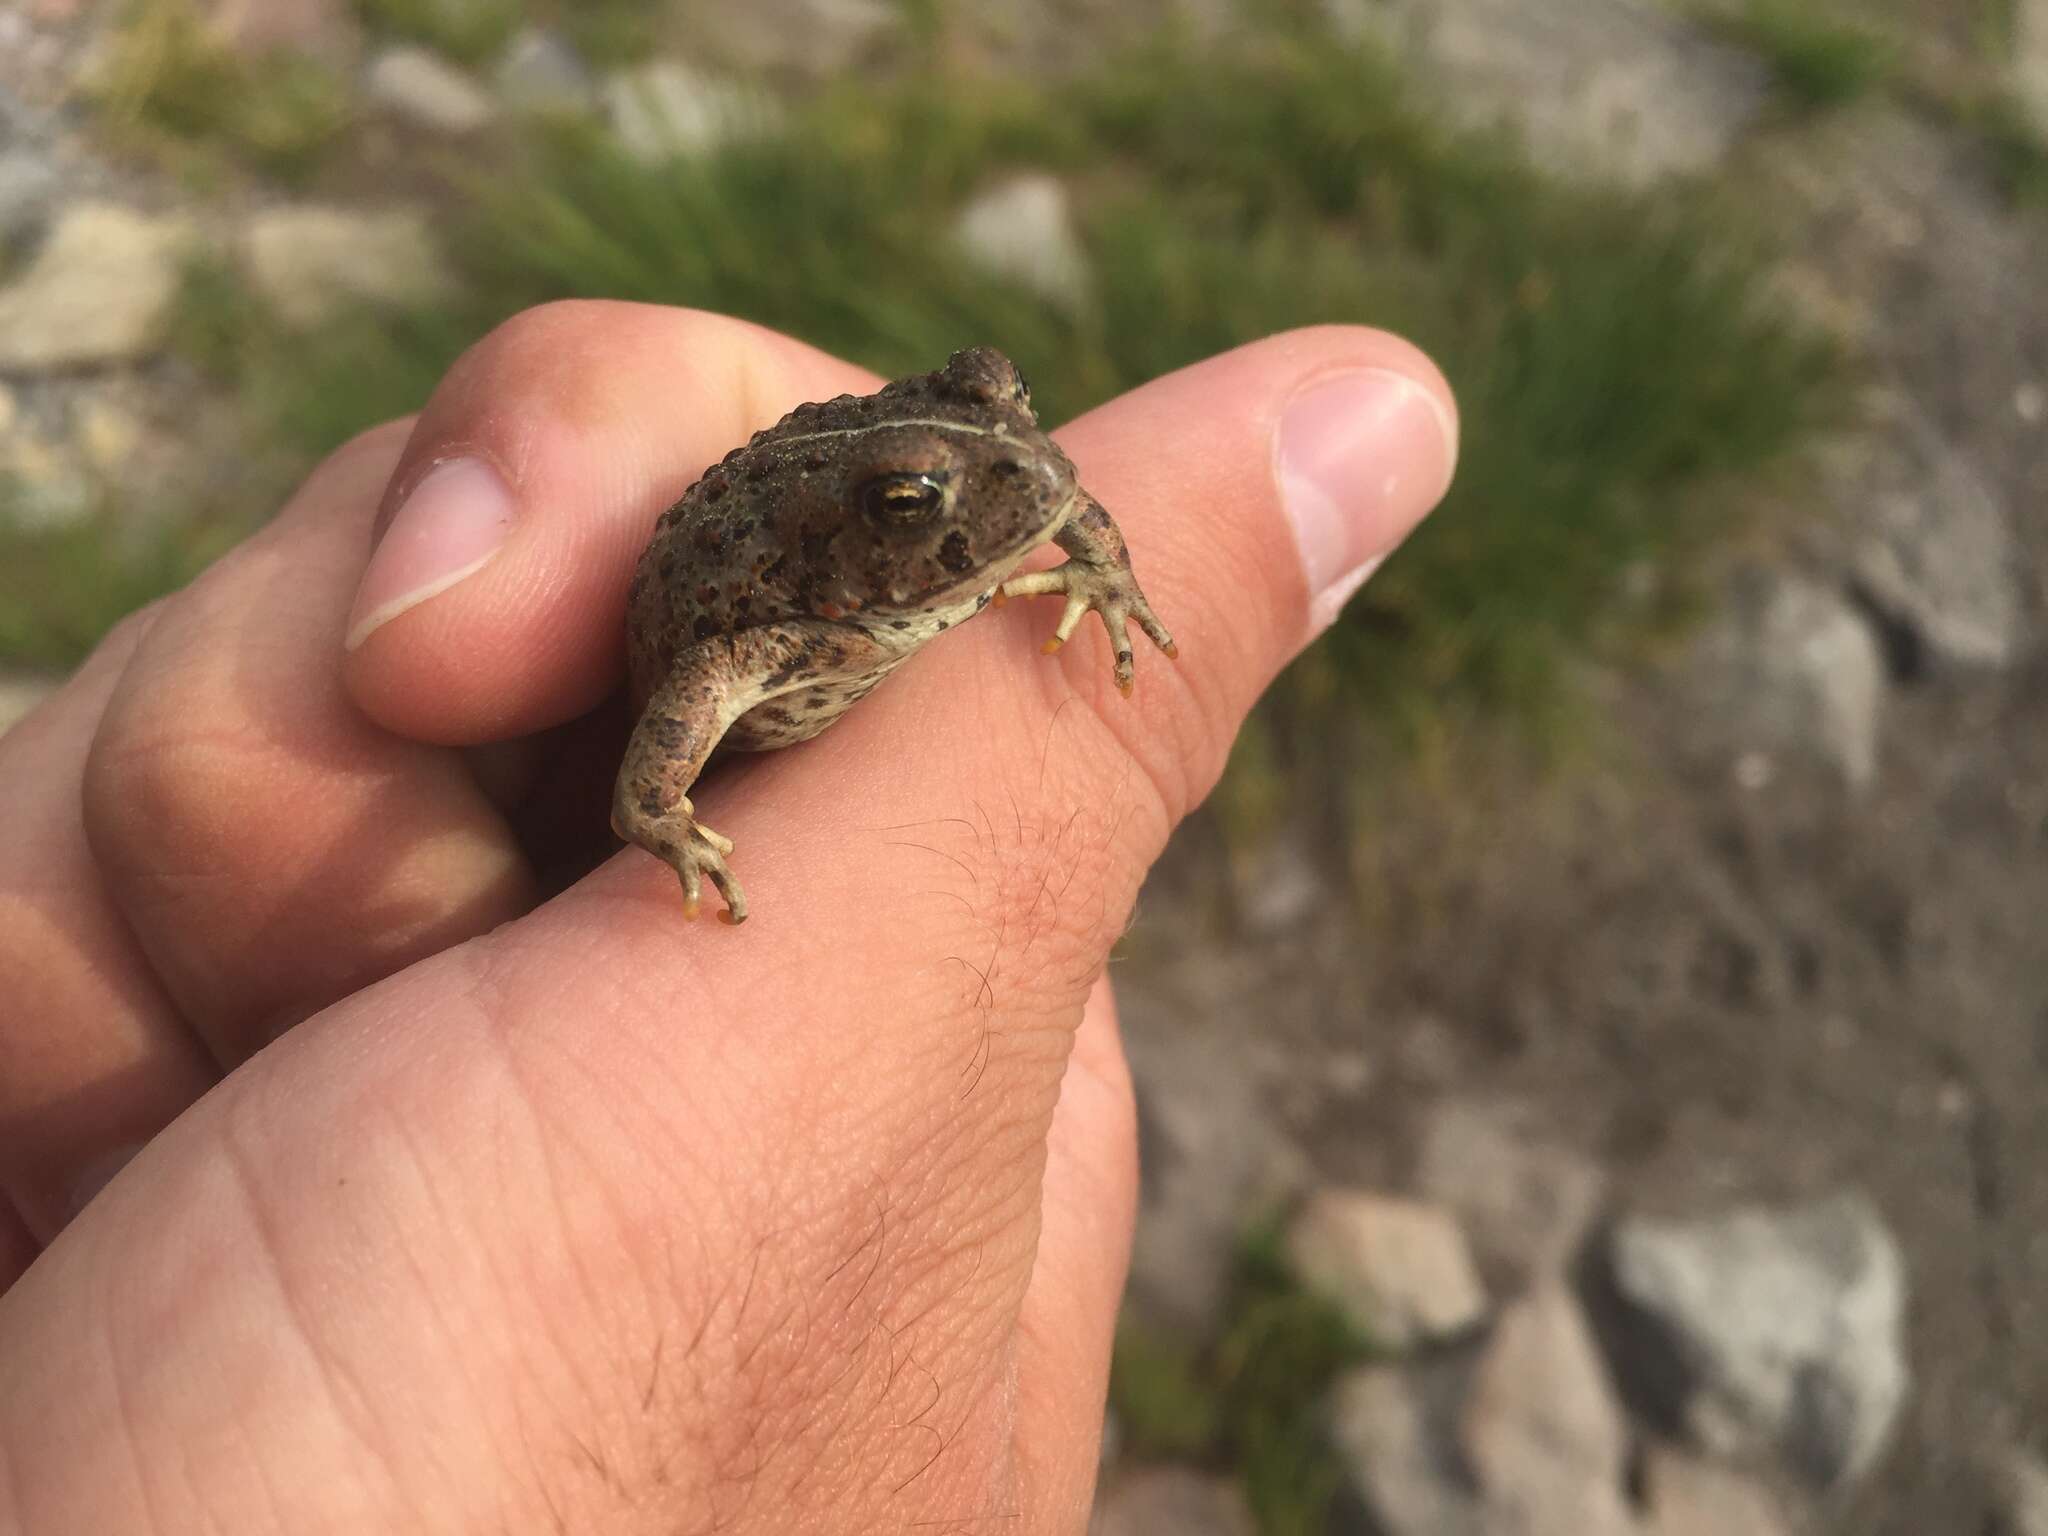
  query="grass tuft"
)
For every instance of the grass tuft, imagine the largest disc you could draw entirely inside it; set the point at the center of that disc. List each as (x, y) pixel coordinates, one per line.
(1612, 356)
(167, 83)
(2019, 150)
(63, 587)
(1818, 61)
(1252, 1400)
(468, 31)
(612, 32)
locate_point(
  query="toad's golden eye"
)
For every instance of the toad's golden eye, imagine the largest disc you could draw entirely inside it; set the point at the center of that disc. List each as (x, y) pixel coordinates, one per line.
(1023, 395)
(903, 499)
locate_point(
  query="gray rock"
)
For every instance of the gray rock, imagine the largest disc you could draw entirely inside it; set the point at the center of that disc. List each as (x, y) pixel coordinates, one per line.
(541, 73)
(1215, 1162)
(1684, 1495)
(1542, 1429)
(1171, 1501)
(308, 260)
(1937, 553)
(1525, 1202)
(665, 110)
(1599, 88)
(21, 692)
(1792, 669)
(28, 190)
(98, 290)
(424, 89)
(1773, 1330)
(2030, 61)
(1391, 1429)
(1398, 1269)
(1023, 229)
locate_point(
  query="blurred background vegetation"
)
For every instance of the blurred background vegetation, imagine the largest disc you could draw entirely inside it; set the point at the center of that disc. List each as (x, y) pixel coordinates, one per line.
(1614, 354)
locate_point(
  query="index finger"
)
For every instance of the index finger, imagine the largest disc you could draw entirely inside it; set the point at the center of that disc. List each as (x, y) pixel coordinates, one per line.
(527, 491)
(270, 848)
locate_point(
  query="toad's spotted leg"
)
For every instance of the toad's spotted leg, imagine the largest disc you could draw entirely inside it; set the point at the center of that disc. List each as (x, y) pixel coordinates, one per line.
(769, 686)
(1097, 574)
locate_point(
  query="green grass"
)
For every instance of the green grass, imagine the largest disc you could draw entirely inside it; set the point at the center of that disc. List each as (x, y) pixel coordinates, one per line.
(1818, 61)
(611, 32)
(2019, 151)
(62, 588)
(1252, 1400)
(167, 85)
(468, 31)
(475, 32)
(1610, 354)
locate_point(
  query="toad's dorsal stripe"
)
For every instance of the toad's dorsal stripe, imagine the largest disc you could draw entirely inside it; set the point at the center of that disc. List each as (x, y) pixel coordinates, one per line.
(908, 421)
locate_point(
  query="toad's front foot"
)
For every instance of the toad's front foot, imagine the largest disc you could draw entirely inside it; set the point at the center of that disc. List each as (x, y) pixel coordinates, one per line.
(1111, 591)
(688, 847)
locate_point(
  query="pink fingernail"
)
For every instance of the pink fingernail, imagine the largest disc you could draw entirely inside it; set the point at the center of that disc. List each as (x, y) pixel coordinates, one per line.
(447, 529)
(1361, 457)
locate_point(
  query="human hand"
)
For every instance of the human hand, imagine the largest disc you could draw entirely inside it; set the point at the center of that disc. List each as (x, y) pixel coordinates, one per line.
(535, 1208)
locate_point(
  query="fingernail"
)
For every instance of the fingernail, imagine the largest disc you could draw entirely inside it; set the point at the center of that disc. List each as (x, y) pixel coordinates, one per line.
(97, 1174)
(446, 529)
(1361, 457)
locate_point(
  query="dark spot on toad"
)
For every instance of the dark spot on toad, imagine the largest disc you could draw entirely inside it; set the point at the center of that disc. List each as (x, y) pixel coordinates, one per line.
(954, 554)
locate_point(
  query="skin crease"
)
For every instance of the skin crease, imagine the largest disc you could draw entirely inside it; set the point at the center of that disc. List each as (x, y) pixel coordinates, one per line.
(550, 1212)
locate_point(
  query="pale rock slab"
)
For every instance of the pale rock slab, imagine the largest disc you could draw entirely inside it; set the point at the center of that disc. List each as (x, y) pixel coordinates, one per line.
(1171, 1501)
(1685, 1495)
(307, 261)
(1775, 1330)
(1023, 229)
(1542, 1428)
(98, 291)
(1792, 669)
(666, 110)
(1398, 1269)
(420, 87)
(1600, 89)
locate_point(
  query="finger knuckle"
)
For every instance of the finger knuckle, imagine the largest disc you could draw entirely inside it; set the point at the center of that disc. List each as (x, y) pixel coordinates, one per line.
(160, 780)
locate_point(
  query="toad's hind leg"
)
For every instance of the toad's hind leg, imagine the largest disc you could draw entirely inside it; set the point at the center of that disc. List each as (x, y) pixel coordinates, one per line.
(707, 688)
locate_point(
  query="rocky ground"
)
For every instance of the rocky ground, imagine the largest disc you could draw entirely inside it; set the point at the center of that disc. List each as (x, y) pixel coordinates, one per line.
(1682, 1125)
(1675, 1127)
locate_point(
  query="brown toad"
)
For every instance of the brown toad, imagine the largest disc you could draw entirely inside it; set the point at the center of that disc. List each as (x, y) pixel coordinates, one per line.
(807, 565)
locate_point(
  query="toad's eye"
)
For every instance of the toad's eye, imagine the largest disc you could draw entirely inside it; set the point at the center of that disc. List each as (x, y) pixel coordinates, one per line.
(903, 499)
(1023, 388)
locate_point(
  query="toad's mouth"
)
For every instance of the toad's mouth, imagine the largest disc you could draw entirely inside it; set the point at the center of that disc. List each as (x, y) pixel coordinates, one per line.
(972, 588)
